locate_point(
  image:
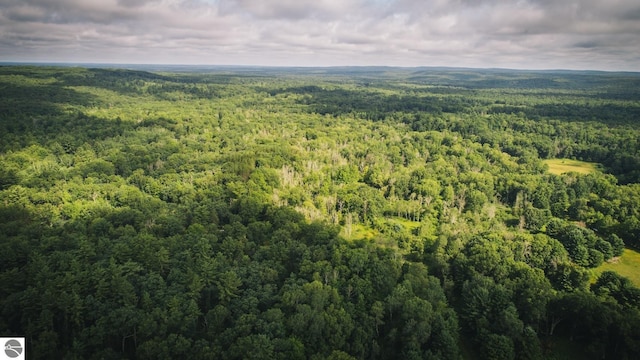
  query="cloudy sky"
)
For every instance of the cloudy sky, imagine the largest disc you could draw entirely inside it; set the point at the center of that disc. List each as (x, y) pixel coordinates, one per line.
(531, 34)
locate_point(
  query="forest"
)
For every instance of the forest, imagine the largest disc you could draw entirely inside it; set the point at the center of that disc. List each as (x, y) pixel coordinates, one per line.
(318, 213)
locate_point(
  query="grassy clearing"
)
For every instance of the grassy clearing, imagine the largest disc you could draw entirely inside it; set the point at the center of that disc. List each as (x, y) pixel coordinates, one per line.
(358, 232)
(627, 265)
(561, 166)
(406, 224)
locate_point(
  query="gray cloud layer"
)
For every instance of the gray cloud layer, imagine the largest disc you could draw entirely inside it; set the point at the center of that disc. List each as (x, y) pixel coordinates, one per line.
(577, 34)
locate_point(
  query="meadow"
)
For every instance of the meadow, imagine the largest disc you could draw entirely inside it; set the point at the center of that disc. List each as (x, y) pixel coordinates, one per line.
(627, 265)
(563, 166)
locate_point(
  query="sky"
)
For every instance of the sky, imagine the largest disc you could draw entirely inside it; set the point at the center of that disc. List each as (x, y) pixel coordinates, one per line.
(522, 34)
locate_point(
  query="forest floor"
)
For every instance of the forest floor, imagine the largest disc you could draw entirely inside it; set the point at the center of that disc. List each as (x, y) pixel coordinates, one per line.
(561, 348)
(627, 265)
(562, 166)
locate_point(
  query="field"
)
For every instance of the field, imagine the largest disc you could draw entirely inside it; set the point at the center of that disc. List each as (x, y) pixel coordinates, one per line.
(358, 232)
(627, 265)
(563, 166)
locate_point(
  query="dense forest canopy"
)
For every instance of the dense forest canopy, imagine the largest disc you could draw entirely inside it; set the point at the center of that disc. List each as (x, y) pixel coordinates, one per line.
(317, 213)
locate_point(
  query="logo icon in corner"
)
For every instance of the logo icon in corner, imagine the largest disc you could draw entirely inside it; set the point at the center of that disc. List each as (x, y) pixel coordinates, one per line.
(13, 348)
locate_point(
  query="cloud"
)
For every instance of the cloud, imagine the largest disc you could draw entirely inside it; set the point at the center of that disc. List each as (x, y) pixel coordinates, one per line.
(484, 33)
(293, 9)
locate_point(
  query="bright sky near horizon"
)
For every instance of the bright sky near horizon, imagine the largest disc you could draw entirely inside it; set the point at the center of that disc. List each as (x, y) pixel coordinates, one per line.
(519, 34)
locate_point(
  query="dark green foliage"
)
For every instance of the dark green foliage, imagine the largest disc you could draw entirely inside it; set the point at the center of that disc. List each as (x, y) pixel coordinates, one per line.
(584, 246)
(602, 327)
(620, 288)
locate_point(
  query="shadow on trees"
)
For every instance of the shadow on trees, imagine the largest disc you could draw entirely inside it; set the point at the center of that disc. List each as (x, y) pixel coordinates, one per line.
(24, 101)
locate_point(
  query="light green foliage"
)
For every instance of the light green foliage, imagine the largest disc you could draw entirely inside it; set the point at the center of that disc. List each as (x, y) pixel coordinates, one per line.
(627, 265)
(562, 166)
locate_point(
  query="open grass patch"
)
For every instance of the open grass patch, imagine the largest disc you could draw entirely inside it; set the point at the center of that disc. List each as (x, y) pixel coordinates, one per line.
(562, 166)
(358, 232)
(627, 265)
(404, 223)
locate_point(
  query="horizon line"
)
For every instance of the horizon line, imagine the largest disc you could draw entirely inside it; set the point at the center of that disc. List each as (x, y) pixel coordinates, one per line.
(248, 66)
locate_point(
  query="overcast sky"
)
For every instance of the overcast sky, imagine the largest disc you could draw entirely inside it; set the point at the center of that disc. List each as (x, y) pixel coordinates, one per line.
(530, 34)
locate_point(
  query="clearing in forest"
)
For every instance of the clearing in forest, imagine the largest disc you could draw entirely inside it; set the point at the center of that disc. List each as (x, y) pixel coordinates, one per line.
(358, 232)
(627, 265)
(562, 166)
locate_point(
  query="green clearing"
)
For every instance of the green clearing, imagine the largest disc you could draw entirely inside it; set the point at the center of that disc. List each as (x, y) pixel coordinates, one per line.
(358, 232)
(627, 265)
(404, 223)
(563, 166)
(363, 232)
